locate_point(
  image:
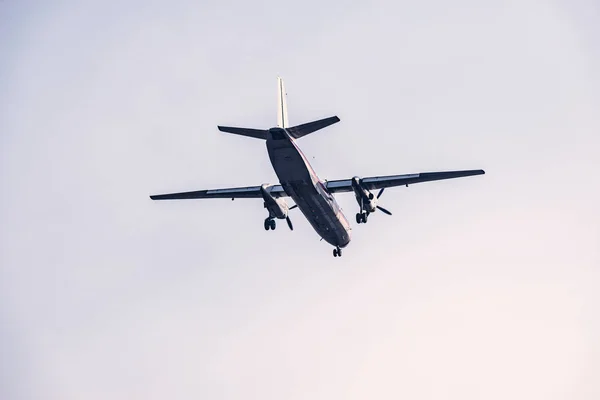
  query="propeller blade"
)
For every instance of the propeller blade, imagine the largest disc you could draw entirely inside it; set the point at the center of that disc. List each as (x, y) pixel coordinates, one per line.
(383, 210)
(289, 222)
(380, 192)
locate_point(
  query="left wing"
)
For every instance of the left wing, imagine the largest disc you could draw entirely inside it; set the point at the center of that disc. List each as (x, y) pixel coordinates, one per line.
(380, 182)
(249, 192)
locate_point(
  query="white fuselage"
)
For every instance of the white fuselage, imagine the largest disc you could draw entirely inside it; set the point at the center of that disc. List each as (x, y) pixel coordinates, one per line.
(301, 183)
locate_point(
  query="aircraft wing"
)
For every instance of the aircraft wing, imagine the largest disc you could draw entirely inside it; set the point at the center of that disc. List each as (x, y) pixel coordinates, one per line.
(379, 182)
(249, 192)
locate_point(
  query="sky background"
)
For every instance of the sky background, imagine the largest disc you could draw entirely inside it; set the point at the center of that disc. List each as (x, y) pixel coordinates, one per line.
(481, 287)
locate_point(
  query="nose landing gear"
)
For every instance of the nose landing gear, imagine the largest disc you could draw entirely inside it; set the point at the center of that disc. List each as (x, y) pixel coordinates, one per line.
(337, 252)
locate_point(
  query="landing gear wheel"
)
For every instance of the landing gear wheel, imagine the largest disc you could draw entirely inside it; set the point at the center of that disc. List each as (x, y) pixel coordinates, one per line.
(361, 218)
(337, 252)
(269, 224)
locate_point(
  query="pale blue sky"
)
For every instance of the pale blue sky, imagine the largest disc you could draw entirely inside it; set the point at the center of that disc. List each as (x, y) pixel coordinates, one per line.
(483, 287)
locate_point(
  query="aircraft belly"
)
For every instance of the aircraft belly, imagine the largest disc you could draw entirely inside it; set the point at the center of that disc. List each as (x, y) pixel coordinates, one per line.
(300, 184)
(289, 165)
(321, 216)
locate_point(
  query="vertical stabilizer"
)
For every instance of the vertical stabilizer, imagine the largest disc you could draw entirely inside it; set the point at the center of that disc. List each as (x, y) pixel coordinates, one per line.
(282, 115)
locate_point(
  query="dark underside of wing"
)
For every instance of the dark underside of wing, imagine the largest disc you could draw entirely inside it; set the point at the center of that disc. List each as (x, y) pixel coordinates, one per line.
(201, 194)
(250, 192)
(337, 186)
(379, 182)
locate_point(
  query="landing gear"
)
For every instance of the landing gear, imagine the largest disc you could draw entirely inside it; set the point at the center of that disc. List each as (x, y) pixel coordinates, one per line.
(270, 224)
(362, 218)
(337, 252)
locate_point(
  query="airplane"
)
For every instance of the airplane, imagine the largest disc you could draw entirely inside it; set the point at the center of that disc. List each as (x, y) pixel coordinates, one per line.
(298, 180)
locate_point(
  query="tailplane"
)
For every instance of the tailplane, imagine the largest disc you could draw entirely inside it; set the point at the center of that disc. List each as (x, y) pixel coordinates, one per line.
(299, 130)
(255, 133)
(310, 127)
(296, 132)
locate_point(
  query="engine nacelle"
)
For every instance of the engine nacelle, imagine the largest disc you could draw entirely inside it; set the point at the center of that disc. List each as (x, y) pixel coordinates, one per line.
(364, 197)
(370, 206)
(277, 207)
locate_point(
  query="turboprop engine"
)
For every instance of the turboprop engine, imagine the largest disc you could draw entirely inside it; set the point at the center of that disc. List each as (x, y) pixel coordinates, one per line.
(366, 200)
(277, 207)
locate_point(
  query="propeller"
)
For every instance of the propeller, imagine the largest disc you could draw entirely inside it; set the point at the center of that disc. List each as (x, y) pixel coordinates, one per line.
(383, 210)
(288, 220)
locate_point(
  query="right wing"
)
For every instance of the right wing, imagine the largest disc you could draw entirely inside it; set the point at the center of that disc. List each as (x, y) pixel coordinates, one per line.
(380, 182)
(250, 192)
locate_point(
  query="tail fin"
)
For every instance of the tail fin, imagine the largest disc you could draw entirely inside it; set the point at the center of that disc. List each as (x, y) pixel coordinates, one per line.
(282, 121)
(282, 114)
(299, 130)
(282, 118)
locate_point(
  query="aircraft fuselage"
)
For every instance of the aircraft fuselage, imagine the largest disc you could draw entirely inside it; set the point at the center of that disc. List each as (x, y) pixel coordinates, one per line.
(302, 184)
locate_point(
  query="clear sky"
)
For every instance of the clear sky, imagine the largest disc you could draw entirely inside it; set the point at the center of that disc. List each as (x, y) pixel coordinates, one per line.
(476, 288)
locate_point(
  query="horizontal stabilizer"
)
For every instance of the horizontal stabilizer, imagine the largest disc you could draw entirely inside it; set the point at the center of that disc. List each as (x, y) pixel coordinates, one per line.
(310, 127)
(255, 133)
